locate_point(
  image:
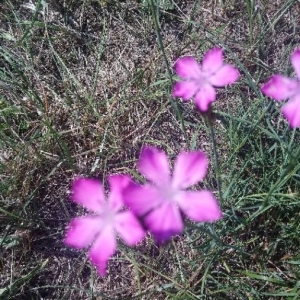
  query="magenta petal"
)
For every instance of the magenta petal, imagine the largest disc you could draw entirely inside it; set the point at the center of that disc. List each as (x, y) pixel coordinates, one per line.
(187, 68)
(117, 183)
(154, 165)
(279, 87)
(204, 97)
(142, 199)
(200, 206)
(164, 222)
(82, 231)
(227, 74)
(129, 228)
(103, 248)
(212, 61)
(291, 111)
(88, 193)
(296, 62)
(185, 89)
(190, 167)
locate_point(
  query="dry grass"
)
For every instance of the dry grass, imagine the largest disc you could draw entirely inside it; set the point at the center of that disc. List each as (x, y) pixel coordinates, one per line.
(84, 86)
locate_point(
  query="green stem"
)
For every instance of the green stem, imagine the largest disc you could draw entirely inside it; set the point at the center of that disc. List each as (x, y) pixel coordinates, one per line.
(161, 46)
(216, 159)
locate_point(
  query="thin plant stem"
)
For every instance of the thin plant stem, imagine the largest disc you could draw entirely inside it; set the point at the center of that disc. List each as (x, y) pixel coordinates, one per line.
(161, 46)
(216, 159)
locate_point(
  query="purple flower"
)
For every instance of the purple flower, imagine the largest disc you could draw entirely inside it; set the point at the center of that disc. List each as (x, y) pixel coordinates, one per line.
(280, 88)
(162, 202)
(109, 218)
(201, 80)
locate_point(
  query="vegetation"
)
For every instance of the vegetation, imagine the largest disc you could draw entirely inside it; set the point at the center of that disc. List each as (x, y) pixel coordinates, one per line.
(85, 84)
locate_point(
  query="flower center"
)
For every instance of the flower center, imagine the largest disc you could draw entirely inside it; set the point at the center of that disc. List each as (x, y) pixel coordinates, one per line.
(108, 215)
(202, 80)
(169, 193)
(297, 88)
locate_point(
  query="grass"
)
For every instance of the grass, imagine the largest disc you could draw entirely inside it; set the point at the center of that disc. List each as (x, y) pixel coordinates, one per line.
(85, 85)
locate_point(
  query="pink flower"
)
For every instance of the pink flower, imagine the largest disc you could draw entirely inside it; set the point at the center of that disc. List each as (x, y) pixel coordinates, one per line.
(162, 202)
(201, 80)
(280, 88)
(101, 226)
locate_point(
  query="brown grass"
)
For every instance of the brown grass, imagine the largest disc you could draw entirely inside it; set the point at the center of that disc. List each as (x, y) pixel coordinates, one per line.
(90, 89)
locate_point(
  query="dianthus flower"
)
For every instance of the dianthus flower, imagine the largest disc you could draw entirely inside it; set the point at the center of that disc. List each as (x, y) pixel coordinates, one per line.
(162, 201)
(200, 80)
(108, 219)
(281, 88)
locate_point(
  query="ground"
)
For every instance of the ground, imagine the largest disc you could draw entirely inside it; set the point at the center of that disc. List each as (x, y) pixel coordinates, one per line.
(85, 84)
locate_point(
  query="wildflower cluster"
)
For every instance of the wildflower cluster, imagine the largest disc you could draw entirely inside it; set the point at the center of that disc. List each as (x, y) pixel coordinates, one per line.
(155, 206)
(159, 205)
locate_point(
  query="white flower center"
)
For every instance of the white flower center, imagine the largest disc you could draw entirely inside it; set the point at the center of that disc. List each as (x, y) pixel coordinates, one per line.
(108, 215)
(202, 80)
(169, 193)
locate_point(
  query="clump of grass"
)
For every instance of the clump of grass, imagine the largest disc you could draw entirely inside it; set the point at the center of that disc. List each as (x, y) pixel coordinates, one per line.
(85, 86)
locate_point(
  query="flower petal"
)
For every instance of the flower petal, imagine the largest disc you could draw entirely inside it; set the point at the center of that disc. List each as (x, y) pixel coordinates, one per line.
(129, 228)
(296, 62)
(185, 89)
(187, 68)
(141, 199)
(82, 231)
(88, 193)
(154, 165)
(204, 97)
(227, 74)
(189, 168)
(279, 87)
(164, 222)
(212, 61)
(117, 183)
(200, 206)
(291, 111)
(103, 248)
